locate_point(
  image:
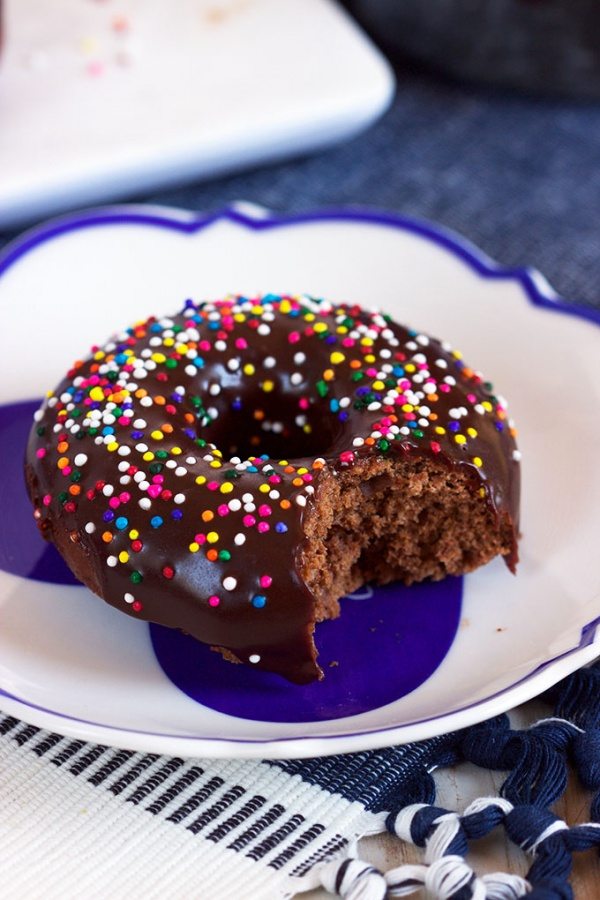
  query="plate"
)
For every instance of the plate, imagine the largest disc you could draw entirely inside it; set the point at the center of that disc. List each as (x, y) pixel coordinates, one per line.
(179, 91)
(402, 664)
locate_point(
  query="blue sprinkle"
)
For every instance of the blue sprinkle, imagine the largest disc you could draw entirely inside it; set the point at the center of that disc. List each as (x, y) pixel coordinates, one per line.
(251, 469)
(258, 601)
(199, 362)
(237, 404)
(108, 429)
(412, 424)
(156, 327)
(281, 528)
(331, 339)
(499, 426)
(177, 514)
(398, 371)
(121, 523)
(343, 416)
(136, 435)
(214, 326)
(156, 521)
(120, 358)
(454, 426)
(108, 516)
(334, 405)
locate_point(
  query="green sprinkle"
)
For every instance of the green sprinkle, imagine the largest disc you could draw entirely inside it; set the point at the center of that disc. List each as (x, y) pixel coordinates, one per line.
(136, 577)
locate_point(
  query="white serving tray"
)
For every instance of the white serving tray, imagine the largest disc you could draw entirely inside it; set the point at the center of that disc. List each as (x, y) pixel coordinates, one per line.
(100, 100)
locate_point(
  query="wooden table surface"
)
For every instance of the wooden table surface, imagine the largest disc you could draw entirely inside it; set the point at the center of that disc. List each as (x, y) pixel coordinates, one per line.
(457, 787)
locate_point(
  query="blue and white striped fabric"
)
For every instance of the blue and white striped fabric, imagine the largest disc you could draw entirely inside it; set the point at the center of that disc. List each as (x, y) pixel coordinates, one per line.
(80, 820)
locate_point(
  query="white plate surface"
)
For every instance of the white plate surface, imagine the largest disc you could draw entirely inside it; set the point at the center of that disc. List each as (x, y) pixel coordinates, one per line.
(71, 283)
(100, 100)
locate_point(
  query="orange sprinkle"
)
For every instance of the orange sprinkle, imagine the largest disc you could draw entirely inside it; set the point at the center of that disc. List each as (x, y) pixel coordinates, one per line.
(107, 537)
(141, 392)
(297, 482)
(63, 447)
(160, 400)
(74, 490)
(167, 428)
(212, 554)
(370, 441)
(259, 415)
(285, 504)
(188, 418)
(289, 469)
(208, 515)
(355, 363)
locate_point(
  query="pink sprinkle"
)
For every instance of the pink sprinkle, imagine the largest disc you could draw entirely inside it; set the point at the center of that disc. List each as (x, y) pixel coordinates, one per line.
(40, 453)
(445, 388)
(214, 600)
(67, 470)
(212, 485)
(262, 527)
(157, 479)
(114, 502)
(47, 500)
(223, 509)
(249, 521)
(154, 490)
(204, 345)
(294, 337)
(264, 510)
(347, 456)
(123, 420)
(303, 403)
(471, 398)
(348, 342)
(307, 477)
(124, 497)
(371, 372)
(200, 538)
(241, 343)
(265, 581)
(274, 479)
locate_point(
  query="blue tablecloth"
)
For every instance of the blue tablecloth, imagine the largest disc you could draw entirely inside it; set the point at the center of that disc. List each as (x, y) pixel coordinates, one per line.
(519, 176)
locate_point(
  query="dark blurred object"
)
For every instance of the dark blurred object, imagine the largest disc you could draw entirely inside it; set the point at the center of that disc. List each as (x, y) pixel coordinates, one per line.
(548, 46)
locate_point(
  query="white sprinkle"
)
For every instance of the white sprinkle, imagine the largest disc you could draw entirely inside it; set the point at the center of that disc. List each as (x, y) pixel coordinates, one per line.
(179, 498)
(124, 450)
(139, 476)
(263, 329)
(124, 479)
(429, 388)
(234, 505)
(296, 378)
(299, 358)
(180, 470)
(171, 464)
(230, 583)
(233, 364)
(80, 459)
(516, 455)
(112, 561)
(479, 408)
(145, 503)
(146, 401)
(358, 442)
(108, 490)
(249, 507)
(220, 345)
(449, 379)
(254, 658)
(90, 527)
(190, 370)
(214, 390)
(404, 430)
(190, 460)
(269, 362)
(274, 494)
(374, 406)
(239, 539)
(128, 598)
(247, 497)
(301, 500)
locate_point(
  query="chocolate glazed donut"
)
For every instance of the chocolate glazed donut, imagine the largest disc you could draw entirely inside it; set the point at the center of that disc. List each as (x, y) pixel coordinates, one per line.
(233, 470)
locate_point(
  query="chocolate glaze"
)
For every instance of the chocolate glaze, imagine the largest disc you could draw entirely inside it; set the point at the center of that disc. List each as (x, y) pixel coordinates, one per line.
(126, 478)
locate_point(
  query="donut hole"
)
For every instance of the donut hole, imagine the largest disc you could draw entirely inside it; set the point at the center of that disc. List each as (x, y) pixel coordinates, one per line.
(276, 428)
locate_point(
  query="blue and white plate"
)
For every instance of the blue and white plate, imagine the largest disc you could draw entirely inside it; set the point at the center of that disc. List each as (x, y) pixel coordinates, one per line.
(402, 664)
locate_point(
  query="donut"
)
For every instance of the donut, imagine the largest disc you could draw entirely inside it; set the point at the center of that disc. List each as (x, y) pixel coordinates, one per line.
(235, 469)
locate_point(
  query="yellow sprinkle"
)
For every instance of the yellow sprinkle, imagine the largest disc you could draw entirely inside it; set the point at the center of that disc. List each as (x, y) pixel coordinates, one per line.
(123, 556)
(201, 479)
(158, 357)
(157, 435)
(148, 456)
(257, 309)
(226, 488)
(407, 407)
(378, 385)
(215, 464)
(302, 470)
(472, 432)
(97, 393)
(336, 358)
(168, 342)
(239, 317)
(409, 367)
(457, 354)
(176, 451)
(285, 306)
(182, 348)
(212, 537)
(320, 326)
(482, 492)
(194, 547)
(264, 488)
(134, 534)
(460, 439)
(249, 369)
(268, 386)
(99, 354)
(477, 460)
(440, 430)
(487, 405)
(283, 462)
(217, 453)
(63, 461)
(366, 342)
(341, 329)
(307, 429)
